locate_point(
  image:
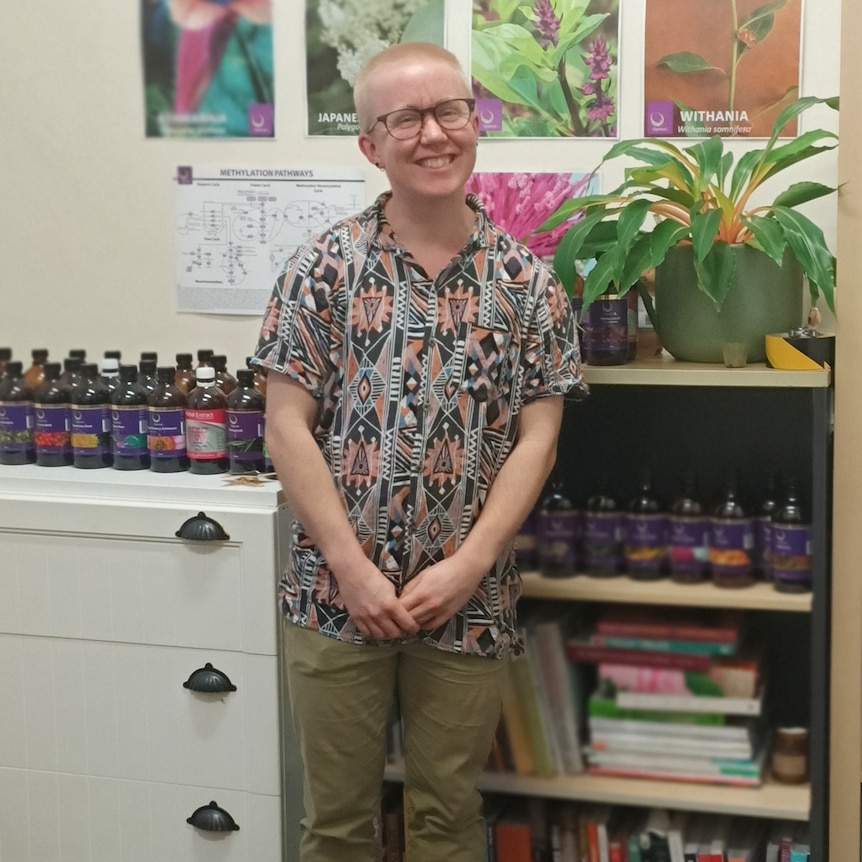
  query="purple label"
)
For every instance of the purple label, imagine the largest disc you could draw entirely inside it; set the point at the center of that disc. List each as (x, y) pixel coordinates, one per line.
(490, 114)
(260, 120)
(606, 326)
(791, 552)
(603, 527)
(688, 544)
(51, 429)
(731, 545)
(166, 432)
(658, 118)
(245, 435)
(129, 429)
(762, 543)
(558, 537)
(90, 429)
(16, 427)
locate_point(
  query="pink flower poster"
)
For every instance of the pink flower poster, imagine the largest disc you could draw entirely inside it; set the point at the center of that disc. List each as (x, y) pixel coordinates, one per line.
(521, 202)
(720, 67)
(546, 68)
(208, 70)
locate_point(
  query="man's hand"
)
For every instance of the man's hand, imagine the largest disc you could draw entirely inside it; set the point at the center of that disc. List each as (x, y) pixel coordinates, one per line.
(437, 593)
(370, 598)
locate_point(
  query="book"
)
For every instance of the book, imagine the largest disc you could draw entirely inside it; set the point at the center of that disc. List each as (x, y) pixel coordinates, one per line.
(732, 679)
(528, 697)
(559, 686)
(601, 706)
(515, 729)
(737, 729)
(545, 708)
(513, 837)
(691, 624)
(691, 703)
(653, 838)
(663, 644)
(718, 766)
(669, 745)
(800, 847)
(745, 840)
(585, 651)
(675, 835)
(779, 841)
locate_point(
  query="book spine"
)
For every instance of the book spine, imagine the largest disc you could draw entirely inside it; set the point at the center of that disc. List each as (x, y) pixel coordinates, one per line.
(690, 703)
(664, 644)
(586, 653)
(693, 778)
(723, 634)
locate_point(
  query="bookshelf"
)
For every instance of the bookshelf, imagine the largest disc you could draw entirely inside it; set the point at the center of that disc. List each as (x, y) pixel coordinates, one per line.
(670, 416)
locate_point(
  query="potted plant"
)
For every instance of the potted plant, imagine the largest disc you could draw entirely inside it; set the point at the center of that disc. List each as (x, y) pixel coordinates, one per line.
(691, 214)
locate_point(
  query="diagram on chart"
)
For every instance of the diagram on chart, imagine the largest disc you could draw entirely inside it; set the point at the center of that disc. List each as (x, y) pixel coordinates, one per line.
(235, 228)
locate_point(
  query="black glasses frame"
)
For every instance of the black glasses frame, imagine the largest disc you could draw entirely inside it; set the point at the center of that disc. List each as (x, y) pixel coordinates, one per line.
(424, 112)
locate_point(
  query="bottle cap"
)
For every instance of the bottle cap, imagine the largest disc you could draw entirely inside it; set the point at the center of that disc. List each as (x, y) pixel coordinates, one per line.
(110, 365)
(128, 372)
(205, 374)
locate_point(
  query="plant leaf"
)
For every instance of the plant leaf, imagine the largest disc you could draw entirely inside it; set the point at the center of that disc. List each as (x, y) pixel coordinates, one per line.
(708, 156)
(715, 273)
(704, 227)
(800, 193)
(686, 62)
(769, 236)
(807, 242)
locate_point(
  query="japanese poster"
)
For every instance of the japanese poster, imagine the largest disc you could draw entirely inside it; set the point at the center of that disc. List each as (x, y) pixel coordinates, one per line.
(208, 70)
(342, 35)
(234, 229)
(720, 67)
(546, 68)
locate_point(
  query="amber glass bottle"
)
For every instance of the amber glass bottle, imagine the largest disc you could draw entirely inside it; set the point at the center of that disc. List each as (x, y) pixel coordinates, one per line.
(166, 424)
(129, 422)
(90, 423)
(51, 420)
(184, 376)
(224, 379)
(245, 408)
(16, 417)
(35, 374)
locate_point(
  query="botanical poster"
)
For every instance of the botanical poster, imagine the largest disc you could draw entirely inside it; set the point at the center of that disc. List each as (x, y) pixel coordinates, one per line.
(342, 35)
(720, 67)
(207, 68)
(546, 68)
(521, 202)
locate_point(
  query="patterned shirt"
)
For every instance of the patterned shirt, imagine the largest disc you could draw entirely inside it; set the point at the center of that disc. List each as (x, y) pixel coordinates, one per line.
(420, 383)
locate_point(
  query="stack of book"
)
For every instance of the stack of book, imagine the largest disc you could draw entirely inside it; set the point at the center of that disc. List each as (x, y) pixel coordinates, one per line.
(677, 696)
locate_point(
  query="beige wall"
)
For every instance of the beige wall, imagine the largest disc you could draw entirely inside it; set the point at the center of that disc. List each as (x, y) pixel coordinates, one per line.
(86, 210)
(846, 720)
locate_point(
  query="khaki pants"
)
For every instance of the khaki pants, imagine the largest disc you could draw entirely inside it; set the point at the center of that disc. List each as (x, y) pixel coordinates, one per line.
(340, 697)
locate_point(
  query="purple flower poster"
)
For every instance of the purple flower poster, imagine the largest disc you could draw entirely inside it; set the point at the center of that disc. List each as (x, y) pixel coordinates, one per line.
(720, 67)
(546, 68)
(208, 70)
(342, 35)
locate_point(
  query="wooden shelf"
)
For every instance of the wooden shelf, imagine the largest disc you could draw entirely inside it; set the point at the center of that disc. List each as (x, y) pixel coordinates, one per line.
(759, 597)
(664, 370)
(784, 801)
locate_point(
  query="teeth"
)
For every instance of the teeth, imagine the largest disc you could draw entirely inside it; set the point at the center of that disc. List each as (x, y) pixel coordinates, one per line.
(435, 163)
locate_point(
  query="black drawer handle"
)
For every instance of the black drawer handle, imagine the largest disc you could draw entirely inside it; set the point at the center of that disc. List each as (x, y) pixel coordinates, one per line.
(209, 679)
(200, 528)
(211, 818)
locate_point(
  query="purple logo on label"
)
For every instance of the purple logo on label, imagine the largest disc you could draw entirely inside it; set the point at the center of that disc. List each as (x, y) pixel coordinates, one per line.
(260, 122)
(659, 118)
(184, 175)
(490, 113)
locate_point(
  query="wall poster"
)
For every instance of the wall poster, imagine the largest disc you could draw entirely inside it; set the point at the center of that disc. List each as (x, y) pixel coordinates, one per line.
(208, 69)
(234, 228)
(720, 67)
(342, 35)
(546, 68)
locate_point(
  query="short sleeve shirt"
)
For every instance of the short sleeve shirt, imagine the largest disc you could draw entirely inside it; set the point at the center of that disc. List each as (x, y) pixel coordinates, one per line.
(420, 384)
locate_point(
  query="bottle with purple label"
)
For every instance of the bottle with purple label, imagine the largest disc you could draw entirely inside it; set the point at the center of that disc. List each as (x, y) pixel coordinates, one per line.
(557, 533)
(245, 407)
(16, 416)
(731, 539)
(602, 542)
(51, 420)
(790, 552)
(90, 420)
(166, 424)
(129, 422)
(646, 524)
(763, 528)
(206, 425)
(688, 535)
(526, 542)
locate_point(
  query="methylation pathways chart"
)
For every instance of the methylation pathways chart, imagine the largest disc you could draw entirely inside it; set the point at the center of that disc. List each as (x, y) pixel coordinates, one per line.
(236, 227)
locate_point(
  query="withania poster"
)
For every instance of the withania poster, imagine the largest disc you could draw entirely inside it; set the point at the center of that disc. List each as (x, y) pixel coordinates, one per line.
(720, 67)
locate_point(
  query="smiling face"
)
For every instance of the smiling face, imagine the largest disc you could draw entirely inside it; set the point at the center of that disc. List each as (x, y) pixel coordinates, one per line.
(437, 162)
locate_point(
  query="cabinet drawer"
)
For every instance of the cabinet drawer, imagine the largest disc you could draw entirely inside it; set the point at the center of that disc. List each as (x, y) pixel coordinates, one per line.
(118, 573)
(121, 711)
(85, 819)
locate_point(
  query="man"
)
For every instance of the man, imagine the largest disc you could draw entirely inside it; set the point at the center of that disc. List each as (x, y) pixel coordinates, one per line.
(418, 357)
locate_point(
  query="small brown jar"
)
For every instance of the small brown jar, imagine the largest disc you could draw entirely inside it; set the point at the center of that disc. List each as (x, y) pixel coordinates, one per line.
(790, 755)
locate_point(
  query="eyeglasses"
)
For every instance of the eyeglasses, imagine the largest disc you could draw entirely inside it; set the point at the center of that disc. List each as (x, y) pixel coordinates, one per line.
(406, 123)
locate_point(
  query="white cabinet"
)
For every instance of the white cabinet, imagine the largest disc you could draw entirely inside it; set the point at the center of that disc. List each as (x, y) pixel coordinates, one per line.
(106, 615)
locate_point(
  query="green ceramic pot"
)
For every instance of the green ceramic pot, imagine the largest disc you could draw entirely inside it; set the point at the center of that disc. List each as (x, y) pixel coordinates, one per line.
(764, 298)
